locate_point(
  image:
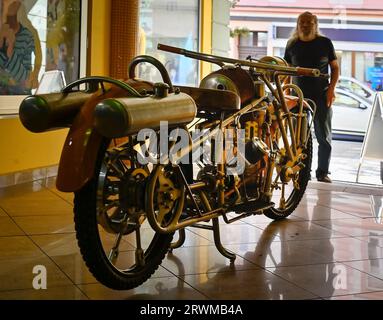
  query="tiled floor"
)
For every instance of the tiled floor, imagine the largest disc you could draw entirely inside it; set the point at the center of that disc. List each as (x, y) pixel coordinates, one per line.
(330, 248)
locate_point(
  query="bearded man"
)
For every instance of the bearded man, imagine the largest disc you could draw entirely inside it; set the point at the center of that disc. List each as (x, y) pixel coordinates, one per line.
(308, 48)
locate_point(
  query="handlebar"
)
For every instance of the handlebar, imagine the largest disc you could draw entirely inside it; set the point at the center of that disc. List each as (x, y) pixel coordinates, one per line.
(298, 71)
(308, 72)
(167, 48)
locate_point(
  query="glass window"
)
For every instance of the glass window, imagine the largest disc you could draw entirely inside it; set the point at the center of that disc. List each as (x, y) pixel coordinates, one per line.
(173, 23)
(262, 39)
(246, 39)
(37, 36)
(253, 38)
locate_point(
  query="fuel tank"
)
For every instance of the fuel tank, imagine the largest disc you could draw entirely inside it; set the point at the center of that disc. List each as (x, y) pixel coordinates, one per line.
(115, 118)
(45, 112)
(232, 79)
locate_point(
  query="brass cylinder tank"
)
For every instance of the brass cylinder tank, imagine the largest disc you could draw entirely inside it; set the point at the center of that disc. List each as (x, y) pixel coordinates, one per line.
(115, 118)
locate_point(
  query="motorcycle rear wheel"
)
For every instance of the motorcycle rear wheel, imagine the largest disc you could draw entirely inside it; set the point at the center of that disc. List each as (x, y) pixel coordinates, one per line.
(116, 263)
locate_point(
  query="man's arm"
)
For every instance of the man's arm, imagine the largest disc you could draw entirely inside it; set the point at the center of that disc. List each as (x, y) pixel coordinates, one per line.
(334, 66)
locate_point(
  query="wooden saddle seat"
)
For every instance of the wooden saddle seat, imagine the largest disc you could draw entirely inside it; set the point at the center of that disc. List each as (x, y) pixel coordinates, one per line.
(212, 100)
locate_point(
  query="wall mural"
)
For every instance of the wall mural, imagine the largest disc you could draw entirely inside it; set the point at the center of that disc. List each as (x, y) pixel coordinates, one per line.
(37, 36)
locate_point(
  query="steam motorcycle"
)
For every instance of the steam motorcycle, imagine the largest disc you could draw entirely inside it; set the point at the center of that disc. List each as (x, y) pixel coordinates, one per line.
(126, 208)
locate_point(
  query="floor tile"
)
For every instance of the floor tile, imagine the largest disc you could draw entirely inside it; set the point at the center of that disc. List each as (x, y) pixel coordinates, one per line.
(354, 227)
(18, 247)
(64, 251)
(233, 234)
(320, 212)
(268, 253)
(39, 203)
(376, 240)
(50, 183)
(372, 267)
(9, 228)
(262, 219)
(315, 191)
(18, 273)
(246, 285)
(20, 189)
(335, 186)
(58, 293)
(355, 204)
(34, 225)
(328, 280)
(65, 244)
(299, 230)
(284, 253)
(170, 288)
(192, 239)
(372, 190)
(361, 296)
(349, 249)
(3, 213)
(204, 259)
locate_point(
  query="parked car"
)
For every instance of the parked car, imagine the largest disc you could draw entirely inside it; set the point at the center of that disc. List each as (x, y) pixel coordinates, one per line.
(356, 87)
(351, 109)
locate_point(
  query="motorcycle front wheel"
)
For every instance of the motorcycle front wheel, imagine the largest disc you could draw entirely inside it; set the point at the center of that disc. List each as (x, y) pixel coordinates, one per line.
(287, 195)
(116, 241)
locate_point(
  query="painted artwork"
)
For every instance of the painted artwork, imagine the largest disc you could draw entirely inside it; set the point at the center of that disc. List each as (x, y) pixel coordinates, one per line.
(37, 36)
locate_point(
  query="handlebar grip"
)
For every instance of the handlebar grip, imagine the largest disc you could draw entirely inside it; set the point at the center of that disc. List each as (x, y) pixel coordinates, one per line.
(308, 72)
(167, 48)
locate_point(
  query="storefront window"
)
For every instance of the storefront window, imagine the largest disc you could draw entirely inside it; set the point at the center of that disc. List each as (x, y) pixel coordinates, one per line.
(246, 40)
(37, 36)
(174, 23)
(356, 30)
(366, 67)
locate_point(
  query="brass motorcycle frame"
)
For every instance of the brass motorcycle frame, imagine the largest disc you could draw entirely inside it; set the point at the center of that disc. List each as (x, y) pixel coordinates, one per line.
(281, 113)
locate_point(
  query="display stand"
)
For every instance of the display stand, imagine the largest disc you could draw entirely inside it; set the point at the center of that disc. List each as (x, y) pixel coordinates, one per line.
(372, 147)
(51, 82)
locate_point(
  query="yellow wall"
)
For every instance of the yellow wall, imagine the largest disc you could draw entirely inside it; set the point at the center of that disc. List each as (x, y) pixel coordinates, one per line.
(206, 33)
(100, 38)
(22, 150)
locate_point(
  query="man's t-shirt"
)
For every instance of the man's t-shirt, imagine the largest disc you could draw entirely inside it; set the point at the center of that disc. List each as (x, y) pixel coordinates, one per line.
(317, 53)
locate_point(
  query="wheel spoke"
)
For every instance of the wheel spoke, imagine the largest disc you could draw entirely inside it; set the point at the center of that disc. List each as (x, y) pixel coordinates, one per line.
(114, 252)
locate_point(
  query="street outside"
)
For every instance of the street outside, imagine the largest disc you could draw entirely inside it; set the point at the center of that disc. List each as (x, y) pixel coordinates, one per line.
(345, 162)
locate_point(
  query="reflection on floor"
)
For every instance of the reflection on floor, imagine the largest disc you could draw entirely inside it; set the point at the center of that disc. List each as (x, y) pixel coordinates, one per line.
(330, 248)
